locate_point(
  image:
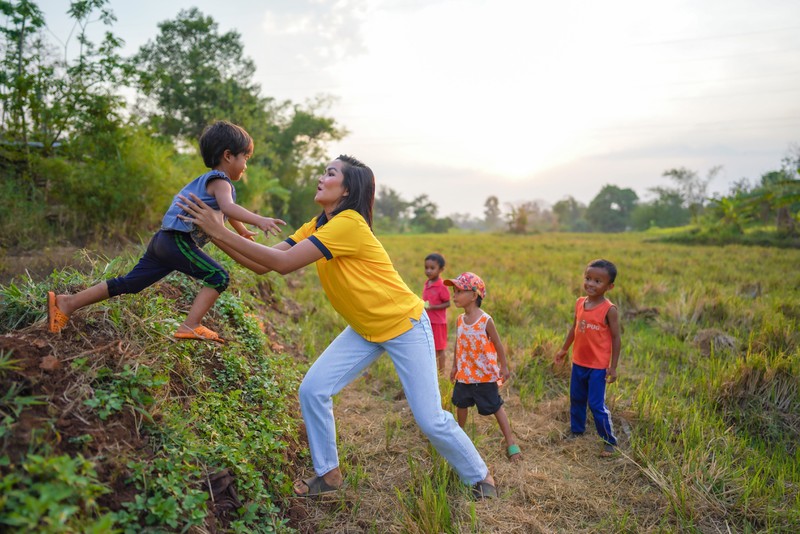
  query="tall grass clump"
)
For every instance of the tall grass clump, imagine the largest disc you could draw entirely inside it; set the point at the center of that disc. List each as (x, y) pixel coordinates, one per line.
(424, 505)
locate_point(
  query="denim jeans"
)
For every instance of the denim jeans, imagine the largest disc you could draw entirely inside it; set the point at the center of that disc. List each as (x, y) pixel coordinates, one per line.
(414, 359)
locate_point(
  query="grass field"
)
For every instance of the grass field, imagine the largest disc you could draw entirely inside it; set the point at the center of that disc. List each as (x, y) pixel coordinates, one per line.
(113, 425)
(708, 376)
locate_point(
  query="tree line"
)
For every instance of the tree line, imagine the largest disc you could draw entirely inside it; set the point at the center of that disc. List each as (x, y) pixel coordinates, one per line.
(772, 201)
(80, 161)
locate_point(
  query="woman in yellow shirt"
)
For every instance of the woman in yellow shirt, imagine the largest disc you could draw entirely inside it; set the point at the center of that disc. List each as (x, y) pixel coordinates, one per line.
(382, 314)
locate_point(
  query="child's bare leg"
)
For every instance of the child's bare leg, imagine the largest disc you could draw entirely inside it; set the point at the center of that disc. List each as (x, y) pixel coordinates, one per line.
(440, 357)
(70, 303)
(461, 416)
(202, 303)
(505, 428)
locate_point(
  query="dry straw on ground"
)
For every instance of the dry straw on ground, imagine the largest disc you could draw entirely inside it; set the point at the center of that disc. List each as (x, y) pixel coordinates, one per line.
(559, 486)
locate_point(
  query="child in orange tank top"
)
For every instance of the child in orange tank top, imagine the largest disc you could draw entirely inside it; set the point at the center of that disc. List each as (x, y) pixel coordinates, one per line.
(595, 333)
(479, 363)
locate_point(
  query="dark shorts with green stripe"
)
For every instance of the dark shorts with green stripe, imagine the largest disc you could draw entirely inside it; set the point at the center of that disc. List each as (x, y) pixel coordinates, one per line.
(170, 251)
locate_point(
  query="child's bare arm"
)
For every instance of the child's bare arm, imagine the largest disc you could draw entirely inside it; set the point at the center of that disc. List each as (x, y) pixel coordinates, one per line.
(562, 352)
(241, 229)
(494, 337)
(223, 193)
(616, 342)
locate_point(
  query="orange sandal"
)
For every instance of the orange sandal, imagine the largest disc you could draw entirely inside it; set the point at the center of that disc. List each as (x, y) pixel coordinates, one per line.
(201, 332)
(56, 319)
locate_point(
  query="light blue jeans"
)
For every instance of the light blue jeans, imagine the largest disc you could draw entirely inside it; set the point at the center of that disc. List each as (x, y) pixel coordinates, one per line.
(414, 359)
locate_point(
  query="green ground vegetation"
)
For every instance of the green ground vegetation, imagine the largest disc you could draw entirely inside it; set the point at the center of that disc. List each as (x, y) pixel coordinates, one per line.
(708, 389)
(709, 366)
(112, 426)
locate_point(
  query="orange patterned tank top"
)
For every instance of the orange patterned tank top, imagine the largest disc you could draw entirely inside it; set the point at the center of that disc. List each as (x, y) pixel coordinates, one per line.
(476, 356)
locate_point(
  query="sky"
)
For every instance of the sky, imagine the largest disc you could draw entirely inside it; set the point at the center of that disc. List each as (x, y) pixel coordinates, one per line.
(525, 100)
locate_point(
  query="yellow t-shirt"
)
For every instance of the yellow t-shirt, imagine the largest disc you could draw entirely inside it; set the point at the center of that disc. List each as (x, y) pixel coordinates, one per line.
(358, 277)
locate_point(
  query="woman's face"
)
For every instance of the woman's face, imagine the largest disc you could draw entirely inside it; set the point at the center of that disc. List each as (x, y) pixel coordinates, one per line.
(330, 188)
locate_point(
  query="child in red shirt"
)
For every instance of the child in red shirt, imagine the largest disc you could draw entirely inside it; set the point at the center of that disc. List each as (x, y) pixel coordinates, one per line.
(596, 334)
(437, 300)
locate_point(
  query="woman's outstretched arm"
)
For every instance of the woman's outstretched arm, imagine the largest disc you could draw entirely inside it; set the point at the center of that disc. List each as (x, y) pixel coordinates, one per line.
(255, 256)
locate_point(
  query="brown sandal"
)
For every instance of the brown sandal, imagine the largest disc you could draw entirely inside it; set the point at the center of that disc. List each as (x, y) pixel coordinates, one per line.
(316, 487)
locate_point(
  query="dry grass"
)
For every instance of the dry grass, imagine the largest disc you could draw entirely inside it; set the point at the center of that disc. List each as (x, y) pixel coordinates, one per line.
(559, 486)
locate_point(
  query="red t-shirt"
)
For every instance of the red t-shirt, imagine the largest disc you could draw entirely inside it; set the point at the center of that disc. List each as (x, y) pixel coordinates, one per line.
(592, 345)
(436, 292)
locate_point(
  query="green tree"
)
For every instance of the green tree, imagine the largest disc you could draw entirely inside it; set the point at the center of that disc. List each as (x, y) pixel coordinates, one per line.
(692, 187)
(570, 215)
(20, 68)
(46, 99)
(730, 214)
(491, 213)
(295, 153)
(774, 200)
(611, 209)
(530, 216)
(191, 74)
(390, 205)
(665, 211)
(424, 217)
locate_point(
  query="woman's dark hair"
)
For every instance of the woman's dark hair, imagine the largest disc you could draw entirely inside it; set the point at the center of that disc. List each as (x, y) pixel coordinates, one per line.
(359, 182)
(222, 136)
(438, 258)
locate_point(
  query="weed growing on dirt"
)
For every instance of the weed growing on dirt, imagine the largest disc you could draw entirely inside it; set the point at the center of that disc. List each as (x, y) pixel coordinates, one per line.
(184, 435)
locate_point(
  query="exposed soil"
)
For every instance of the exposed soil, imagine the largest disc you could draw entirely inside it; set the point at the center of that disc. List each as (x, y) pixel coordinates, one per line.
(61, 420)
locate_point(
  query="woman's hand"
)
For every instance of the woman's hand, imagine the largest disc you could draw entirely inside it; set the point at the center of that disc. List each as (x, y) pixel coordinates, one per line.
(211, 221)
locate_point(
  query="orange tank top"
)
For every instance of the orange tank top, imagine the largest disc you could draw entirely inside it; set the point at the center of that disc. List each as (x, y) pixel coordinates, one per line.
(476, 356)
(592, 345)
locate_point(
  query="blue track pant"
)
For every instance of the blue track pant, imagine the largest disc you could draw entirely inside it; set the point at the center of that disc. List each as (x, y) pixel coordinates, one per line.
(588, 386)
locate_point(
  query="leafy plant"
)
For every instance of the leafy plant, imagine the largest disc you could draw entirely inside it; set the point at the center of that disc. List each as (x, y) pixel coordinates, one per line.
(53, 494)
(130, 387)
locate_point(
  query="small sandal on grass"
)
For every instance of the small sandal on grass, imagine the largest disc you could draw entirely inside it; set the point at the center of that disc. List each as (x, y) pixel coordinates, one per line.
(316, 487)
(56, 319)
(201, 332)
(483, 490)
(514, 453)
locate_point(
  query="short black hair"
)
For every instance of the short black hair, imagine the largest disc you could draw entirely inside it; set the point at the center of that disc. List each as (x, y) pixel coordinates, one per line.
(222, 136)
(438, 258)
(479, 301)
(609, 267)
